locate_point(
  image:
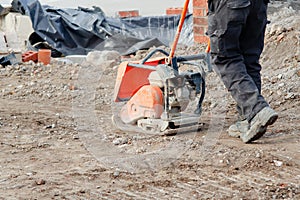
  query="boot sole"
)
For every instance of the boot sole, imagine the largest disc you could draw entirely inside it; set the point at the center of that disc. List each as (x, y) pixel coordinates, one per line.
(235, 134)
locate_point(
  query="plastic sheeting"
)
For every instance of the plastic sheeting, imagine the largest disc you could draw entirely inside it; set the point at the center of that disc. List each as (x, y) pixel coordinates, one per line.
(79, 31)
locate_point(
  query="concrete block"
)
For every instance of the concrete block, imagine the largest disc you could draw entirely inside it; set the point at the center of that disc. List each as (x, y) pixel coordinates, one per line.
(23, 27)
(13, 42)
(17, 29)
(10, 22)
(3, 45)
(80, 59)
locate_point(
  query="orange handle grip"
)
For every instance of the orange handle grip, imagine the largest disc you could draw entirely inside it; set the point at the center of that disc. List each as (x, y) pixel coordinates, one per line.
(208, 47)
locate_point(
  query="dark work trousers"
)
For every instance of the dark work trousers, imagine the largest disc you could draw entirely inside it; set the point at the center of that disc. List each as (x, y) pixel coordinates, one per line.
(236, 29)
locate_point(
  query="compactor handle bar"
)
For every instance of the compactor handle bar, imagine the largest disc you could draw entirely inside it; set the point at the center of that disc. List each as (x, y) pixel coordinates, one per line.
(201, 56)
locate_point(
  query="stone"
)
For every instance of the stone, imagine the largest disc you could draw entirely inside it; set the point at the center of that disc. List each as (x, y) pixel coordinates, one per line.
(40, 182)
(80, 59)
(97, 58)
(277, 163)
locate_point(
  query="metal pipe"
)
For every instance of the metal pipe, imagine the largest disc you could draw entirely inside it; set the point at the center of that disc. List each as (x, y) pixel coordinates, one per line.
(142, 66)
(152, 53)
(201, 56)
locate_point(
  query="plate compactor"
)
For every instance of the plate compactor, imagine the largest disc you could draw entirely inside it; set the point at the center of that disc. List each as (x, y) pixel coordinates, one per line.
(154, 95)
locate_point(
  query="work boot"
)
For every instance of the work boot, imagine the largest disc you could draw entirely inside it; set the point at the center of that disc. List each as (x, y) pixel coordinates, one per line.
(236, 129)
(258, 125)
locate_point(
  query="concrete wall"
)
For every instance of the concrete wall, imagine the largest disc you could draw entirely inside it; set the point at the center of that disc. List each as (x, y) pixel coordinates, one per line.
(14, 32)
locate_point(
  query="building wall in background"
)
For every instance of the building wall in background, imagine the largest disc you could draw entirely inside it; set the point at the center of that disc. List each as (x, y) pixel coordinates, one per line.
(200, 20)
(111, 7)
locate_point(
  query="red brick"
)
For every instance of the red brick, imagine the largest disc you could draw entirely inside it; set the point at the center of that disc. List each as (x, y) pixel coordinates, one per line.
(128, 13)
(200, 3)
(200, 38)
(201, 21)
(30, 55)
(199, 29)
(174, 11)
(199, 12)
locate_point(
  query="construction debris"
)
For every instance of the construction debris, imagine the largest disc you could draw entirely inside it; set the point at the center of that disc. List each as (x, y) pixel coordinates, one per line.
(4, 10)
(10, 59)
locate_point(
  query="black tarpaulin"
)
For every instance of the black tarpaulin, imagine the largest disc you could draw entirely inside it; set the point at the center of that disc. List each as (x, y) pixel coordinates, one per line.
(79, 31)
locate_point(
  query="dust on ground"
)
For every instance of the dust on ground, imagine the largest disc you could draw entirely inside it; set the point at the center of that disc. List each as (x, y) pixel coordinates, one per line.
(57, 140)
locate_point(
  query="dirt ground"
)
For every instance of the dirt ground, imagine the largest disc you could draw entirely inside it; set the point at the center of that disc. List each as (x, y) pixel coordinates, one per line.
(57, 140)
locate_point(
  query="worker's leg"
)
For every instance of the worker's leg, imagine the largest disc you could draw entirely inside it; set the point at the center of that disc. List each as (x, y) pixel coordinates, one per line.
(252, 40)
(226, 23)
